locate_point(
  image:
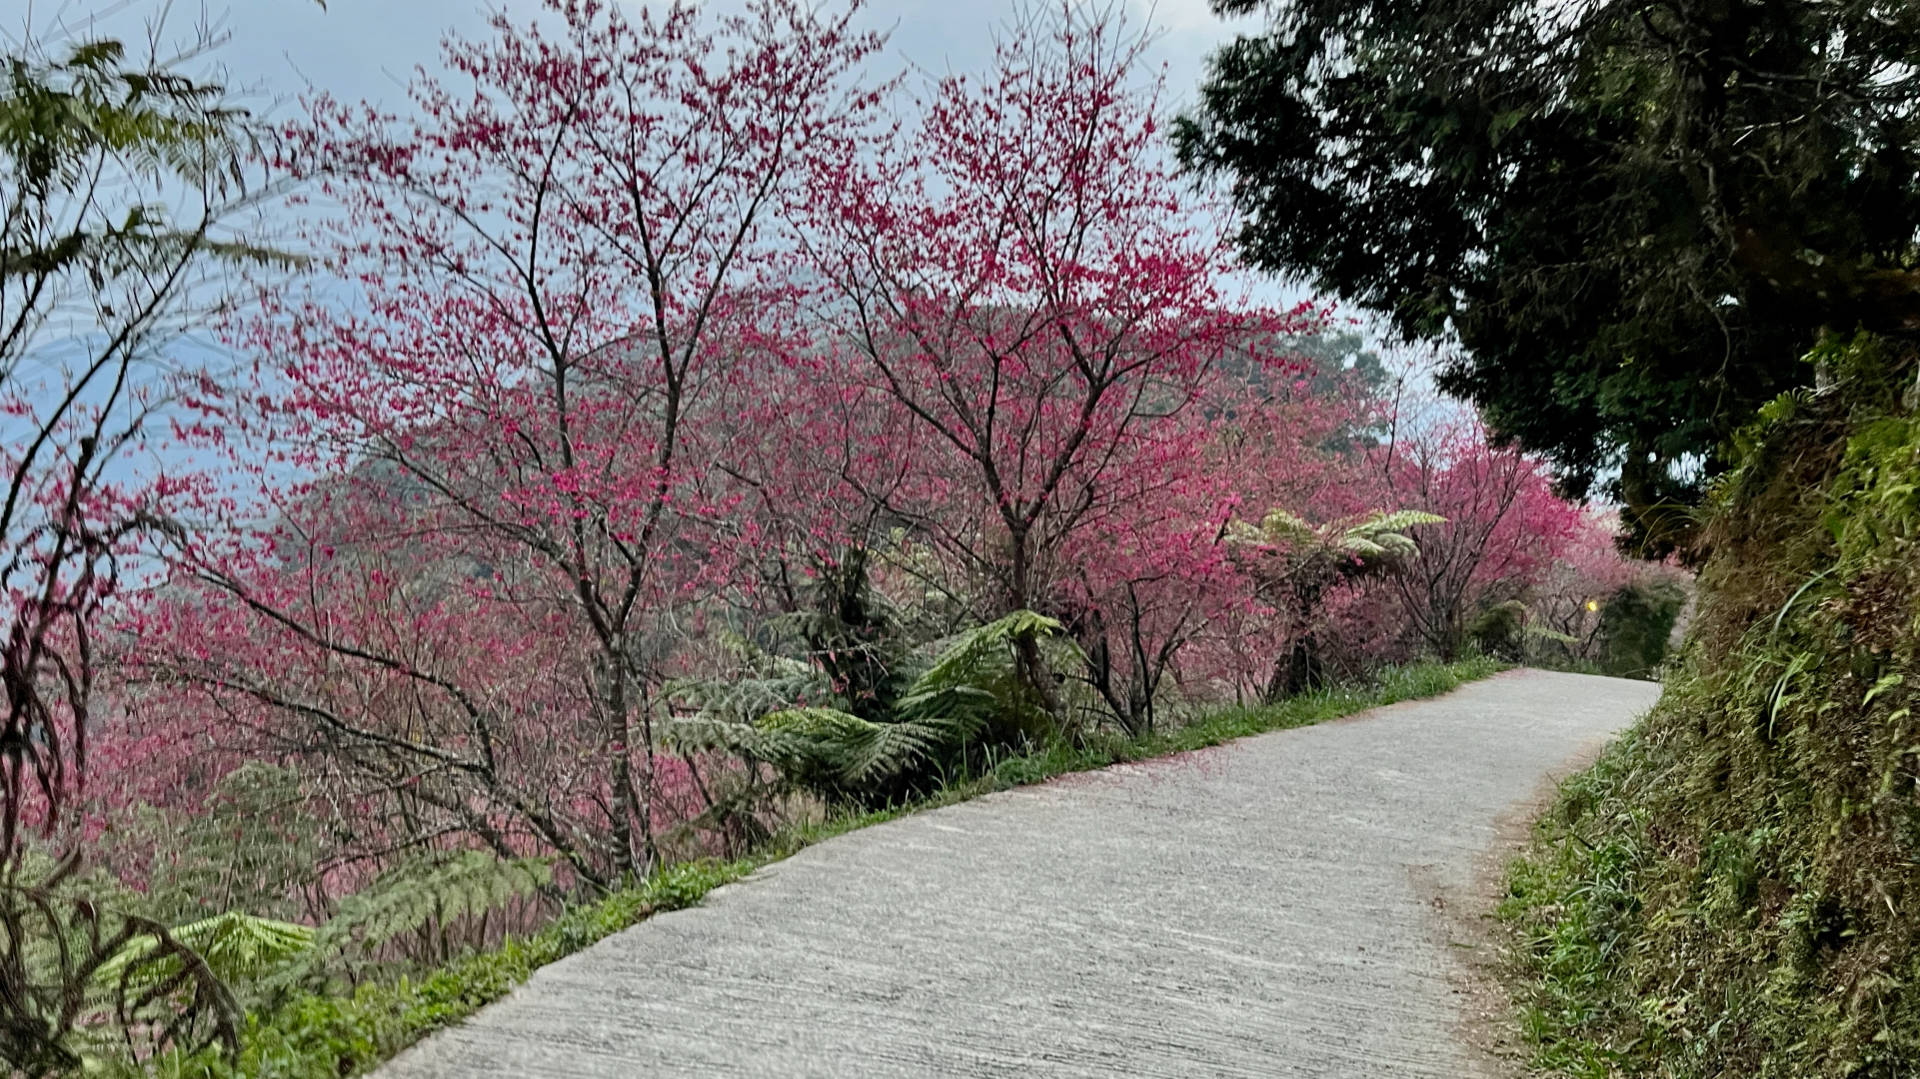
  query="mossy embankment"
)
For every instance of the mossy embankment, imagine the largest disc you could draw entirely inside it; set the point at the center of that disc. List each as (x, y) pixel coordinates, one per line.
(1734, 889)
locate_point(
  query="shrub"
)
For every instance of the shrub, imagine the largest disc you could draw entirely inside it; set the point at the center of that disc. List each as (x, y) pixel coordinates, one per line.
(1636, 625)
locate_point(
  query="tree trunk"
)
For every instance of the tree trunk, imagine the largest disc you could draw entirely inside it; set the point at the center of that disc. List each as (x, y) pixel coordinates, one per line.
(1031, 665)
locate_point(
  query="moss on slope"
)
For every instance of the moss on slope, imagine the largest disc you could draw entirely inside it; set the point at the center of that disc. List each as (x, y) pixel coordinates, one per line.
(1734, 889)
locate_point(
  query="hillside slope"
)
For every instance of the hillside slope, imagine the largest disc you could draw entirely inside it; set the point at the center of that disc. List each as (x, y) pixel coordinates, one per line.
(1734, 890)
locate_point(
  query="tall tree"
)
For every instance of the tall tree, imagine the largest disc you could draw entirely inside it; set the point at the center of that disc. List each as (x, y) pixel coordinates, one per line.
(1020, 275)
(118, 174)
(520, 414)
(1502, 526)
(1635, 216)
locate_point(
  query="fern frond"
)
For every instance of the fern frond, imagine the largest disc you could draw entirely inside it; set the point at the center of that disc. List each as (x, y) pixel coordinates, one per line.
(709, 733)
(843, 750)
(814, 722)
(1279, 526)
(1396, 545)
(960, 663)
(741, 700)
(1360, 546)
(1398, 521)
(966, 683)
(433, 890)
(236, 946)
(840, 754)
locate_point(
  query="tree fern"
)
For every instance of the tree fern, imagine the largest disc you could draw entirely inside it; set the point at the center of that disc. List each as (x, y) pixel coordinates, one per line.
(973, 659)
(966, 690)
(1381, 535)
(977, 674)
(1399, 520)
(840, 750)
(1295, 563)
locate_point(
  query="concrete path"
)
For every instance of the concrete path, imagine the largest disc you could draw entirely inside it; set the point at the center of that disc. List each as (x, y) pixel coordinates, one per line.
(1267, 908)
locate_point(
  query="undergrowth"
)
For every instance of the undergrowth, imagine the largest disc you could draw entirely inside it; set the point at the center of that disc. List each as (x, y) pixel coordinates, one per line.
(1731, 890)
(312, 1035)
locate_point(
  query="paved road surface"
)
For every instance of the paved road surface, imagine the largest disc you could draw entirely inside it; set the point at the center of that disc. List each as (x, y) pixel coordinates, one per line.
(1266, 908)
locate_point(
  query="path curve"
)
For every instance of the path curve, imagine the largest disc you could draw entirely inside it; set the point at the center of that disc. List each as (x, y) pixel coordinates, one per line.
(1264, 908)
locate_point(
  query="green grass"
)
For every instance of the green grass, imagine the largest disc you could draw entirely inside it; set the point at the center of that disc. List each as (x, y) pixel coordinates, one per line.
(1677, 920)
(312, 1036)
(1572, 901)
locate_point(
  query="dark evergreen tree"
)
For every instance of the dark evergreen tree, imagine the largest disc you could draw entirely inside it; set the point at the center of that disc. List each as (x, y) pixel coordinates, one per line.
(1635, 216)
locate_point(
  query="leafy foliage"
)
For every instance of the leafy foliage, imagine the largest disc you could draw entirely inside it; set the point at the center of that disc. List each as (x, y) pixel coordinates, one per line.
(235, 946)
(336, 1031)
(971, 693)
(841, 754)
(1501, 630)
(1375, 539)
(976, 674)
(424, 898)
(158, 993)
(1634, 216)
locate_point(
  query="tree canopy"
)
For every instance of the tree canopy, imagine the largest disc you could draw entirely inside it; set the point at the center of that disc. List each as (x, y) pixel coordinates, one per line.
(1634, 217)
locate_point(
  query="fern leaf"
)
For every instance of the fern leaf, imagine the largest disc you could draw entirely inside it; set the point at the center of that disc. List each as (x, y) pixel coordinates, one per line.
(1279, 526)
(1401, 520)
(959, 665)
(235, 946)
(838, 751)
(817, 722)
(705, 733)
(434, 890)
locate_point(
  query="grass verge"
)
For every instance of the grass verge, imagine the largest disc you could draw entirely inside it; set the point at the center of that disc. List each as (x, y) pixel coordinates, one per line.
(311, 1036)
(1572, 903)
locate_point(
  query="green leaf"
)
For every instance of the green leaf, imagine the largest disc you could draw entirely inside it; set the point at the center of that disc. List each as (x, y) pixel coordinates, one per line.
(1886, 682)
(236, 946)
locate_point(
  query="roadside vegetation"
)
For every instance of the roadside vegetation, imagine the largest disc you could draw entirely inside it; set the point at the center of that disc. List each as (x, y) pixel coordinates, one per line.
(1728, 892)
(346, 1030)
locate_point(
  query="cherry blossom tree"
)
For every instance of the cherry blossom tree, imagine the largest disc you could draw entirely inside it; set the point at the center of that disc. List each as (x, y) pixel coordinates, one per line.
(1019, 272)
(1149, 572)
(1504, 525)
(557, 270)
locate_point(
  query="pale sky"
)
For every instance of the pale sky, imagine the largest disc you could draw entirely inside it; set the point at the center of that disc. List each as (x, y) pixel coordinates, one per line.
(367, 48)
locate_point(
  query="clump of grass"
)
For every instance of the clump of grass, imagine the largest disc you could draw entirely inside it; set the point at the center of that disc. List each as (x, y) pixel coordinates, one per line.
(325, 1036)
